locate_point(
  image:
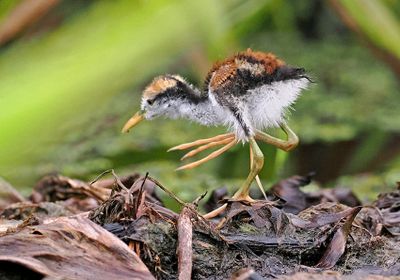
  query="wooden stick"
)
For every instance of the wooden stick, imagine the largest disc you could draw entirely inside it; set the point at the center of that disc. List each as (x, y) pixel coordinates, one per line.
(184, 248)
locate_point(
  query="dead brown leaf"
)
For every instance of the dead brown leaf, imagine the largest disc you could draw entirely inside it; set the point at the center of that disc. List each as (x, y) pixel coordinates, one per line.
(72, 248)
(214, 200)
(43, 210)
(289, 190)
(337, 245)
(8, 194)
(53, 188)
(296, 200)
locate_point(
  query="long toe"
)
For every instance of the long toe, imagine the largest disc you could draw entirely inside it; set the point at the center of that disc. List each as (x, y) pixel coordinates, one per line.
(216, 212)
(245, 199)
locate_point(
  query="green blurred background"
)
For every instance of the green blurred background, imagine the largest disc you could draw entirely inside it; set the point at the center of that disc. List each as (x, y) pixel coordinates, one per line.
(72, 72)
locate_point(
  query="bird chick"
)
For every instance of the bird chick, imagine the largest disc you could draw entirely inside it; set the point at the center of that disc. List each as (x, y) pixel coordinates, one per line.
(247, 92)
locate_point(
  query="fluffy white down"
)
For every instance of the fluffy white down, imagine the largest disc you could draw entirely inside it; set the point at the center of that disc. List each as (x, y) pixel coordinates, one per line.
(204, 113)
(265, 106)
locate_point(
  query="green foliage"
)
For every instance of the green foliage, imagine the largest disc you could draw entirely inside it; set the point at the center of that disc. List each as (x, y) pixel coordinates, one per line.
(66, 93)
(6, 6)
(374, 17)
(51, 84)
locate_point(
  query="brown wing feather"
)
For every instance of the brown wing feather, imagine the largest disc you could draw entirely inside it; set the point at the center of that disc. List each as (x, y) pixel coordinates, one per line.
(268, 60)
(259, 63)
(221, 75)
(217, 65)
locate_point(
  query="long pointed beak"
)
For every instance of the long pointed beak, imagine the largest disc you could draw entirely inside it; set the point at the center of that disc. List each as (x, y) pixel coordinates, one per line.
(134, 120)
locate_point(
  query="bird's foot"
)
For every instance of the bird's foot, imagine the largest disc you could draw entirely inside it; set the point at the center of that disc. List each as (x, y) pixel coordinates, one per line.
(245, 199)
(216, 212)
(228, 140)
(194, 152)
(202, 142)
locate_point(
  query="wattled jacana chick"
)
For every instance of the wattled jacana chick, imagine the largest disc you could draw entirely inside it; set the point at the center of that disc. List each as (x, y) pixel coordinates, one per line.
(247, 92)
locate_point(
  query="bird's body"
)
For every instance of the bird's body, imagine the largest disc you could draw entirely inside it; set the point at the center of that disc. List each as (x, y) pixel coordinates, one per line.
(247, 92)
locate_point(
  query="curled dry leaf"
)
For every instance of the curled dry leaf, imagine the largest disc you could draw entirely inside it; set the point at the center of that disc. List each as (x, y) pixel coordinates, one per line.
(337, 245)
(8, 194)
(41, 211)
(72, 248)
(128, 205)
(289, 190)
(53, 188)
(214, 201)
(319, 219)
(383, 216)
(337, 194)
(297, 200)
(389, 207)
(77, 195)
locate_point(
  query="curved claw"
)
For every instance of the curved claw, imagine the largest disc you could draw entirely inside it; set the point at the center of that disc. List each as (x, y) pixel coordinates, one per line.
(209, 157)
(207, 146)
(201, 142)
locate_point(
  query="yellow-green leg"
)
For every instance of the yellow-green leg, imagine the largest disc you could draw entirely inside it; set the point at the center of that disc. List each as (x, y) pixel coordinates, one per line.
(258, 181)
(257, 164)
(286, 145)
(243, 192)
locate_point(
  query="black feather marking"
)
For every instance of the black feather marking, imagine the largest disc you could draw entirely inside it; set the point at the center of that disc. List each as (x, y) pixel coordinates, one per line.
(182, 91)
(238, 115)
(245, 80)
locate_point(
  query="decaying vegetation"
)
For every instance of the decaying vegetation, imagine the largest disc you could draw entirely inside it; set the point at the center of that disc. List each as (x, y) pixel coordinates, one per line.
(64, 230)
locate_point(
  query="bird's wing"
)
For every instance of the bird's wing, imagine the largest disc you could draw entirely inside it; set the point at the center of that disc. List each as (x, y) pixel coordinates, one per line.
(223, 88)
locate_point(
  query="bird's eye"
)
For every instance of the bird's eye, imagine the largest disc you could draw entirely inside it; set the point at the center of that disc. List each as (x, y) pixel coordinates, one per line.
(150, 102)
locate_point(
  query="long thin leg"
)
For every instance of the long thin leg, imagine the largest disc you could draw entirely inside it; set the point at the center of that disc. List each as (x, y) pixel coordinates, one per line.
(207, 146)
(210, 156)
(202, 142)
(258, 162)
(286, 145)
(258, 181)
(243, 192)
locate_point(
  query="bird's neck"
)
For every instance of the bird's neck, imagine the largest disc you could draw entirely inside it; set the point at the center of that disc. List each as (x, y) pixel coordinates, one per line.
(200, 110)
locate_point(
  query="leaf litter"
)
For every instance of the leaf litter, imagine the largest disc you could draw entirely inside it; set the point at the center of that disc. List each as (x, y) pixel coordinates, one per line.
(119, 227)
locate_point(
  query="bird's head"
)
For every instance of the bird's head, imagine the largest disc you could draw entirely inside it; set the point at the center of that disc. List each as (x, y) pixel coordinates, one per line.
(162, 97)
